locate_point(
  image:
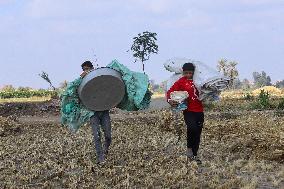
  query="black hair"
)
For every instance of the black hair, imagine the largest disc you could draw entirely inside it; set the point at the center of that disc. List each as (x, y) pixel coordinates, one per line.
(188, 67)
(87, 63)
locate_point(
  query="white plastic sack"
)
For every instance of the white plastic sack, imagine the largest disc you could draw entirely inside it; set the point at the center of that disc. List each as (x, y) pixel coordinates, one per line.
(180, 97)
(172, 80)
(208, 81)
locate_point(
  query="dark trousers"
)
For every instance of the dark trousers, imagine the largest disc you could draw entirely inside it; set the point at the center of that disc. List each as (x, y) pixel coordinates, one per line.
(101, 120)
(194, 122)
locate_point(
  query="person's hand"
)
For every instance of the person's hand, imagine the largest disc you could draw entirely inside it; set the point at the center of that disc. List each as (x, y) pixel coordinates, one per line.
(173, 103)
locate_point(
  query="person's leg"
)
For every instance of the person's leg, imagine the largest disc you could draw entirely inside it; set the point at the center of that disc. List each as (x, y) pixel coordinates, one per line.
(106, 126)
(95, 123)
(194, 122)
(197, 129)
(189, 120)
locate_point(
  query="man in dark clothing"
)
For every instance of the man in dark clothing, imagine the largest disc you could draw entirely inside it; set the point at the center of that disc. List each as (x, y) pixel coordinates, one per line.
(100, 120)
(193, 115)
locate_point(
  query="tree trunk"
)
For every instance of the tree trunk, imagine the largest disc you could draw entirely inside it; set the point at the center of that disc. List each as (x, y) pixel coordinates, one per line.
(144, 47)
(52, 87)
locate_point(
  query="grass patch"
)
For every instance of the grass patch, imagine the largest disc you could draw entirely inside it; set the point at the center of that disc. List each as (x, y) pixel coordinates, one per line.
(31, 99)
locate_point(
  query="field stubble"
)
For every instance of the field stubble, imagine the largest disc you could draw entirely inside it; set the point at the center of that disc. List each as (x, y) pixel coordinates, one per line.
(239, 149)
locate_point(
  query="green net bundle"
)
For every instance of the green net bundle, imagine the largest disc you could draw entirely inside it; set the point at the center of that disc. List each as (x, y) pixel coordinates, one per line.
(137, 97)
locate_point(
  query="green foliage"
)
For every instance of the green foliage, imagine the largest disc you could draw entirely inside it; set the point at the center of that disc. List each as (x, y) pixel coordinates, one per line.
(281, 104)
(155, 87)
(229, 69)
(245, 84)
(144, 45)
(8, 88)
(208, 105)
(280, 84)
(236, 84)
(263, 101)
(26, 93)
(261, 79)
(248, 96)
(45, 76)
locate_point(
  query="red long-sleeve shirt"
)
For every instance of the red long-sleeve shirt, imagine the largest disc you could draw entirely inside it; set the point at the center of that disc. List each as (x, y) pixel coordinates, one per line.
(184, 84)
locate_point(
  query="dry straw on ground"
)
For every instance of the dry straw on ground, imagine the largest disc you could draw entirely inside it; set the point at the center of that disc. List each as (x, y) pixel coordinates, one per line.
(235, 94)
(239, 150)
(270, 89)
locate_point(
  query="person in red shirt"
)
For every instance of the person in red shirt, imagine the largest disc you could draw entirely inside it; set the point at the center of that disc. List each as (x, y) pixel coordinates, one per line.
(193, 115)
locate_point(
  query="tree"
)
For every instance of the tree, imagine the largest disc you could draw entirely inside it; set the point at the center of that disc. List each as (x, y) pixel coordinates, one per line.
(24, 88)
(237, 84)
(8, 88)
(153, 86)
(268, 81)
(63, 85)
(245, 84)
(163, 85)
(222, 66)
(44, 76)
(256, 77)
(228, 68)
(156, 88)
(144, 45)
(280, 84)
(261, 79)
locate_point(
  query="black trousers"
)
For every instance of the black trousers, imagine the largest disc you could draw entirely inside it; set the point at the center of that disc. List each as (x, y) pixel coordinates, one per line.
(194, 122)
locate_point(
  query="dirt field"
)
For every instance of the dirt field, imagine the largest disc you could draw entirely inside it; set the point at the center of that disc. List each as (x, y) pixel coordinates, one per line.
(240, 149)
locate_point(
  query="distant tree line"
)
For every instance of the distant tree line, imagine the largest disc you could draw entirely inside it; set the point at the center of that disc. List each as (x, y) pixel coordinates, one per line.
(260, 79)
(9, 91)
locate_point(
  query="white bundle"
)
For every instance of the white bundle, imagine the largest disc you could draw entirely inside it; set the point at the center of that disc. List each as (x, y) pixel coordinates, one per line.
(208, 81)
(179, 96)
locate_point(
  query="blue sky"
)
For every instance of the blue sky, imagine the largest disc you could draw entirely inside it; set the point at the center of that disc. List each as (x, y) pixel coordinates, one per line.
(57, 36)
